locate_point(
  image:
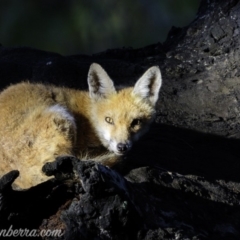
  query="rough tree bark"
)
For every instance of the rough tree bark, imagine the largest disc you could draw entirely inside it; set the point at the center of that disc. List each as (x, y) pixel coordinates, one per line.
(202, 73)
(182, 180)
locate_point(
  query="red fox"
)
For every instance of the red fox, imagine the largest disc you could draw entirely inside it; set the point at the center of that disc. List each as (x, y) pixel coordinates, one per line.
(40, 122)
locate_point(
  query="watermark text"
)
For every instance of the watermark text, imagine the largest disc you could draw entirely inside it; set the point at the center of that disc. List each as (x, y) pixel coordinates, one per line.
(24, 232)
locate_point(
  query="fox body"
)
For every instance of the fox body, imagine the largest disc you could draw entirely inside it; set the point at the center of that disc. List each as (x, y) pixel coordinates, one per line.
(41, 122)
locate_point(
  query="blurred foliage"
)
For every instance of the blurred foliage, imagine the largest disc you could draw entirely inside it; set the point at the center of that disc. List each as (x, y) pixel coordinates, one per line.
(90, 26)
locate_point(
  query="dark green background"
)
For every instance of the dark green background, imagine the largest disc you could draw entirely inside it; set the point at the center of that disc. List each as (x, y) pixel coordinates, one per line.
(90, 26)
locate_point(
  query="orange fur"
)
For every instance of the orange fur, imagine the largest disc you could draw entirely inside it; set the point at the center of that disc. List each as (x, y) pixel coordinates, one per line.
(40, 122)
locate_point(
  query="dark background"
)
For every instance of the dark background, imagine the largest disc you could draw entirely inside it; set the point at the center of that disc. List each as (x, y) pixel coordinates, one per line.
(90, 26)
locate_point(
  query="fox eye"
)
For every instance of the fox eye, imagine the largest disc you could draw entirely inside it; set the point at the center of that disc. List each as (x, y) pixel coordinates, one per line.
(109, 120)
(136, 122)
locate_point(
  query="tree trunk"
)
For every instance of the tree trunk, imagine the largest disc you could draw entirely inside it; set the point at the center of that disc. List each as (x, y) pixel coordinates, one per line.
(201, 73)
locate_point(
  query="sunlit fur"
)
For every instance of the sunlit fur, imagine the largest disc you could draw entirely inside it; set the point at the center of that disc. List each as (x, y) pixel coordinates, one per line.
(40, 122)
(123, 108)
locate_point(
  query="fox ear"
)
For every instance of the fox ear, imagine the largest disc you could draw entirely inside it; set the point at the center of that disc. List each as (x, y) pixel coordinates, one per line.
(99, 83)
(149, 84)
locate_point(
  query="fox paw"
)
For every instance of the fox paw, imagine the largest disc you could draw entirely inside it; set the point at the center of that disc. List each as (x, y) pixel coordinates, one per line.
(62, 168)
(7, 180)
(6, 193)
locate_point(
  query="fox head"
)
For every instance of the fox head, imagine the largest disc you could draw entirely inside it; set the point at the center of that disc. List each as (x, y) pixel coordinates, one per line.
(121, 117)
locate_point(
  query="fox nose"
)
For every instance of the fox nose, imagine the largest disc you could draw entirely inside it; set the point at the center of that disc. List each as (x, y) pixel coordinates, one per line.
(121, 147)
